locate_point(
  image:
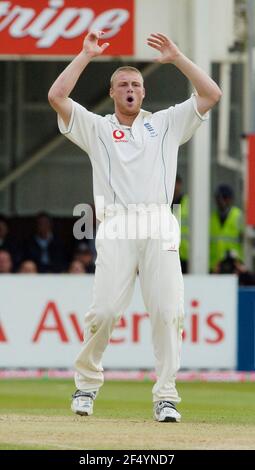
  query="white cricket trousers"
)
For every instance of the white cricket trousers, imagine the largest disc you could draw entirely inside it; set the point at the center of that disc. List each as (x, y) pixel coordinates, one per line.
(162, 289)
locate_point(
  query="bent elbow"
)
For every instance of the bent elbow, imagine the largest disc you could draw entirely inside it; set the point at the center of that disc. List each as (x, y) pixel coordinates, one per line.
(214, 98)
(55, 100)
(55, 95)
(217, 96)
(52, 97)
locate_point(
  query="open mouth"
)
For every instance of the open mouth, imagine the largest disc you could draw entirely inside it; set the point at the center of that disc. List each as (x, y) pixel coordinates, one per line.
(130, 99)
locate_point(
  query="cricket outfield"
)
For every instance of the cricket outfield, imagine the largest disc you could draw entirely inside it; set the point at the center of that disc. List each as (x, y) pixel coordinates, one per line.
(35, 414)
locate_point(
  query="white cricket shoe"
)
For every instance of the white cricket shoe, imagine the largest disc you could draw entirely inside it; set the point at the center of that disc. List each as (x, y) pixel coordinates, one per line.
(82, 403)
(165, 411)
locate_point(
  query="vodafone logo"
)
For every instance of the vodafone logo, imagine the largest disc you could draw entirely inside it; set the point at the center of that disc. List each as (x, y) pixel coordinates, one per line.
(119, 136)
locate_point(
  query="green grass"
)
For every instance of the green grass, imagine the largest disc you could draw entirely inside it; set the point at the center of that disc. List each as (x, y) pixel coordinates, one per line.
(7, 446)
(35, 414)
(227, 403)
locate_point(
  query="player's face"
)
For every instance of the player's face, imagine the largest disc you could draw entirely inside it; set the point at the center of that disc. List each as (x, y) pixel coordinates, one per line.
(128, 92)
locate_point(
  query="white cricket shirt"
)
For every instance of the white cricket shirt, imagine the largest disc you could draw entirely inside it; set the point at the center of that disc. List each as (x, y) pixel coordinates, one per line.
(137, 164)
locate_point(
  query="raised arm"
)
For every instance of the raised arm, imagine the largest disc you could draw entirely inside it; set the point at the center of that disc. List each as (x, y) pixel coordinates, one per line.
(65, 83)
(208, 92)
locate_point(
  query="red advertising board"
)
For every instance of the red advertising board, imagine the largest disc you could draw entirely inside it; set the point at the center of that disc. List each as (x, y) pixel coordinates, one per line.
(250, 178)
(57, 27)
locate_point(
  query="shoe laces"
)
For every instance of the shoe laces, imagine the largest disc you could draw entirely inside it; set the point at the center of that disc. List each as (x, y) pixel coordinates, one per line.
(80, 393)
(165, 404)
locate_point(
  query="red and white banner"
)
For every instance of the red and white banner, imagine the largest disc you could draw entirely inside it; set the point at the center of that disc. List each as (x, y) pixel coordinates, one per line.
(57, 27)
(41, 323)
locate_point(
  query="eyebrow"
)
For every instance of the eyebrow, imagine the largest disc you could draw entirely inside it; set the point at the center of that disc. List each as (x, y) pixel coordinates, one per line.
(133, 81)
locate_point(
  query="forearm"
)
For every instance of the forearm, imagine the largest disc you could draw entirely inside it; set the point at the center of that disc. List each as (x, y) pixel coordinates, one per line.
(67, 80)
(204, 85)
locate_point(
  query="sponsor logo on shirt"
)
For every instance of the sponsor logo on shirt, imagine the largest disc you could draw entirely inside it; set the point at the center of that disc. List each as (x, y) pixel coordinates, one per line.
(150, 129)
(119, 136)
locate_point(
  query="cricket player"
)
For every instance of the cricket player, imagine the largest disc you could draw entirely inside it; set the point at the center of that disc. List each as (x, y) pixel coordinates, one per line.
(134, 159)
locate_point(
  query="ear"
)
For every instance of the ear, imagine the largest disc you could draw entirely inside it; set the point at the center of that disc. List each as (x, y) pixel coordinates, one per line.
(111, 92)
(144, 92)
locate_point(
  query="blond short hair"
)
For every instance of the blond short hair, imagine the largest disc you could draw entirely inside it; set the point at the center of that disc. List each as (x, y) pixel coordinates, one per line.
(125, 68)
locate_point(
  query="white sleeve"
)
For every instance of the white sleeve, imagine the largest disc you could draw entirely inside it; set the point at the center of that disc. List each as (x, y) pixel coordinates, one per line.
(186, 119)
(81, 127)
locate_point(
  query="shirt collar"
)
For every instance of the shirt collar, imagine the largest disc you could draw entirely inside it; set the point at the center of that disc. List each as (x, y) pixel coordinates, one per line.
(113, 118)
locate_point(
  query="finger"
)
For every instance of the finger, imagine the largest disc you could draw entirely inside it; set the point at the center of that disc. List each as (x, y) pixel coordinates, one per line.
(96, 34)
(162, 36)
(154, 41)
(104, 46)
(92, 36)
(155, 46)
(155, 37)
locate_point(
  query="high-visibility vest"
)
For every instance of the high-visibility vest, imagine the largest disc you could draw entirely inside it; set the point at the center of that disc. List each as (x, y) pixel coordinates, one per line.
(225, 237)
(184, 246)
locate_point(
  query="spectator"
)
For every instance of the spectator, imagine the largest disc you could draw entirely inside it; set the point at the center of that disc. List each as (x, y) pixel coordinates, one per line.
(28, 267)
(183, 200)
(76, 267)
(44, 248)
(6, 264)
(3, 232)
(232, 265)
(226, 227)
(84, 254)
(7, 243)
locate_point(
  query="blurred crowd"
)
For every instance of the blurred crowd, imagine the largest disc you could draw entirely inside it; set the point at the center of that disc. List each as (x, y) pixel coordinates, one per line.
(226, 231)
(43, 251)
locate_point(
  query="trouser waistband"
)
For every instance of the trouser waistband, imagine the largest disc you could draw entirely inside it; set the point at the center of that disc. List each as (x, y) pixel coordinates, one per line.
(140, 209)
